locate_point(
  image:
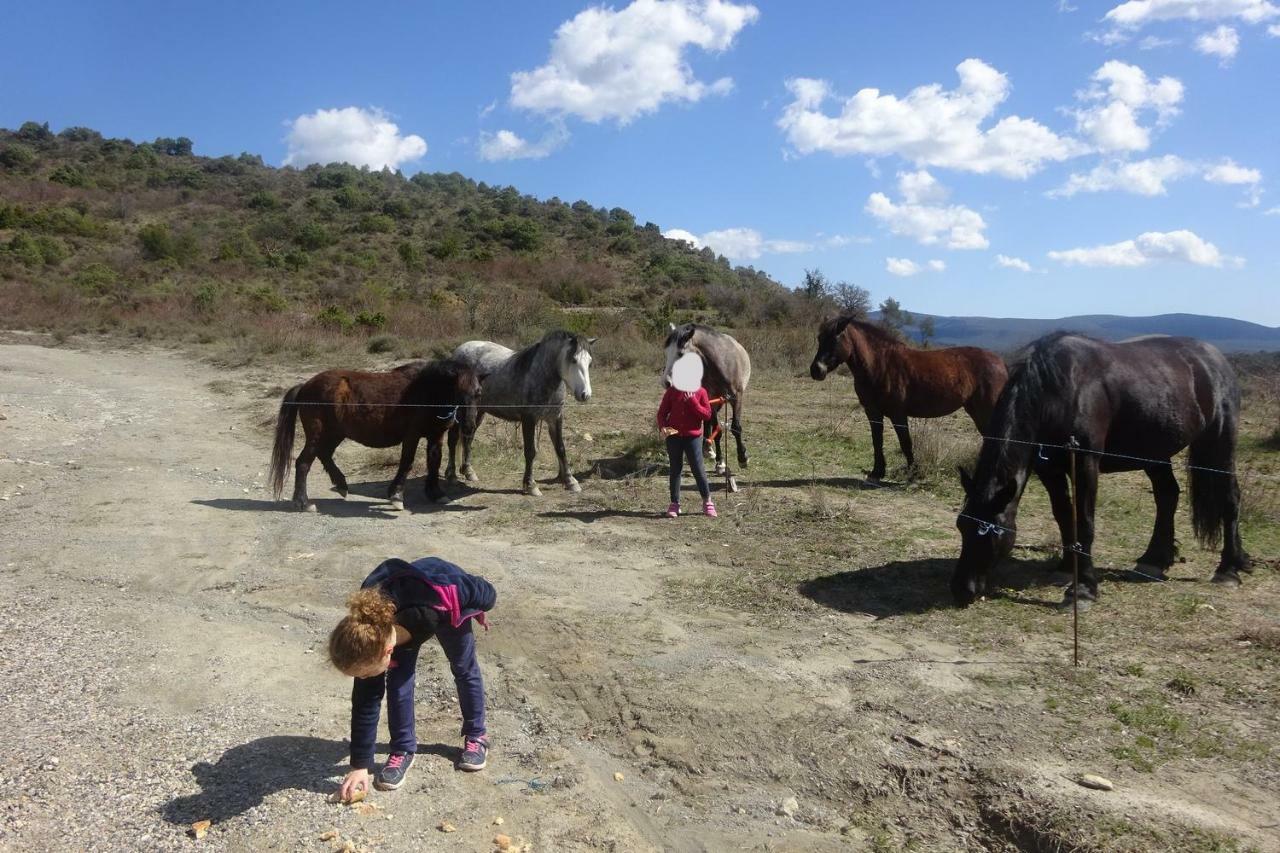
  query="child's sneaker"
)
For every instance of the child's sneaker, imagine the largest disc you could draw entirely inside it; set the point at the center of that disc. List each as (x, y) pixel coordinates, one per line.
(710, 509)
(392, 774)
(475, 751)
(673, 510)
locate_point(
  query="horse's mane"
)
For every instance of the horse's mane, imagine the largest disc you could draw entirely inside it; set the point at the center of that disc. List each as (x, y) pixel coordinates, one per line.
(694, 328)
(1033, 398)
(871, 330)
(434, 375)
(523, 360)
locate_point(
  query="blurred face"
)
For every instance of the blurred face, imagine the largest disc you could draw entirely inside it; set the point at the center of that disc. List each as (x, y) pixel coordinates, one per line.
(377, 667)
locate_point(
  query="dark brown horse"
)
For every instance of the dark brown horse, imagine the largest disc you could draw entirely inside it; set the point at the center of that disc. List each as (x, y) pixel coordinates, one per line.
(403, 406)
(895, 382)
(1131, 406)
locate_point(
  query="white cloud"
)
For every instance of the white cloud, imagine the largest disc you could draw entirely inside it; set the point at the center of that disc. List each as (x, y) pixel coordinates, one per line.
(1224, 43)
(930, 126)
(1123, 92)
(1179, 246)
(1274, 30)
(505, 145)
(1138, 13)
(1013, 263)
(1154, 42)
(1141, 177)
(608, 64)
(956, 225)
(904, 267)
(1274, 211)
(738, 244)
(1230, 172)
(350, 135)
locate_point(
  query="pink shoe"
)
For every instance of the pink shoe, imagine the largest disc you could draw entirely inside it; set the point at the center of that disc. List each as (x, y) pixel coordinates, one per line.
(673, 510)
(710, 509)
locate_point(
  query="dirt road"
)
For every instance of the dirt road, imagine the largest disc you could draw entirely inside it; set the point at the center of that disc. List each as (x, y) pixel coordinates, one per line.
(162, 630)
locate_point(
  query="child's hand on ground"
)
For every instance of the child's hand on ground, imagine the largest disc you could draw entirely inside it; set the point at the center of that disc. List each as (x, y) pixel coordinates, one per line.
(356, 780)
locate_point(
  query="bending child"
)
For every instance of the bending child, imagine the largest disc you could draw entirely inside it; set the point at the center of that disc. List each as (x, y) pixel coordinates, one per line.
(400, 606)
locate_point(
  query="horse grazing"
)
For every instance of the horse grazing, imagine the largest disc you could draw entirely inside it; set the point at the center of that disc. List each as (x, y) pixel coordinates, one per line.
(526, 386)
(895, 382)
(726, 372)
(1143, 400)
(414, 401)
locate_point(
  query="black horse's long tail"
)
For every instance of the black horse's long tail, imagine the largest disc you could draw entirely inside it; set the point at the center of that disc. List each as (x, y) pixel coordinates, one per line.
(283, 448)
(1211, 472)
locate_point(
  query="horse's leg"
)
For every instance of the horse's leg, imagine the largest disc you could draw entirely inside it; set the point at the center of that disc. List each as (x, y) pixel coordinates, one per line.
(435, 450)
(468, 436)
(330, 467)
(1162, 550)
(1058, 486)
(736, 427)
(1086, 500)
(408, 450)
(529, 427)
(451, 473)
(876, 474)
(902, 427)
(722, 467)
(556, 429)
(1234, 559)
(312, 429)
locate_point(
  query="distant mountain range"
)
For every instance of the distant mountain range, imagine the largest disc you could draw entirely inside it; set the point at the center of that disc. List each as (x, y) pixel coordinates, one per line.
(1003, 334)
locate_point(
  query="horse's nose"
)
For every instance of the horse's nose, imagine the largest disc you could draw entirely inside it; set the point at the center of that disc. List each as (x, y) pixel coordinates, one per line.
(584, 396)
(817, 371)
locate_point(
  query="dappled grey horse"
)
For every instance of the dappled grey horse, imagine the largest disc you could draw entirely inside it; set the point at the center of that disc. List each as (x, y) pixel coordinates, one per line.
(529, 387)
(726, 372)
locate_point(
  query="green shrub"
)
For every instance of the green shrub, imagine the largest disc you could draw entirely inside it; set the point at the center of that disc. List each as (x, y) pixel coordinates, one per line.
(296, 260)
(206, 297)
(16, 156)
(68, 175)
(97, 278)
(371, 319)
(267, 298)
(313, 236)
(376, 223)
(335, 318)
(444, 248)
(379, 344)
(410, 255)
(263, 200)
(25, 250)
(52, 250)
(350, 198)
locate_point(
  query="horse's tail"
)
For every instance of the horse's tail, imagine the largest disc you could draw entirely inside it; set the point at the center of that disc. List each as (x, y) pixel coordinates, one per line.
(283, 448)
(1211, 470)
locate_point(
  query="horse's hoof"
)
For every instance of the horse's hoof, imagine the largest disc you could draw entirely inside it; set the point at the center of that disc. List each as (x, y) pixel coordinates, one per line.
(441, 498)
(397, 505)
(573, 486)
(733, 484)
(1084, 604)
(721, 468)
(1228, 578)
(1147, 573)
(310, 508)
(533, 491)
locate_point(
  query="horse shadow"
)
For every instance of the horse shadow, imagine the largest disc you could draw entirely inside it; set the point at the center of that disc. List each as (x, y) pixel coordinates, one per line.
(414, 499)
(918, 586)
(836, 482)
(593, 515)
(247, 774)
(332, 507)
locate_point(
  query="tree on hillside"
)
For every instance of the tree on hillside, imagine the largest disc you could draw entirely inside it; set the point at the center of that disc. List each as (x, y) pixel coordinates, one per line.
(815, 284)
(893, 318)
(927, 330)
(853, 301)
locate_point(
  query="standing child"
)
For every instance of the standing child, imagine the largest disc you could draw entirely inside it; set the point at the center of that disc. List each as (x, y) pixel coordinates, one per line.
(400, 606)
(681, 417)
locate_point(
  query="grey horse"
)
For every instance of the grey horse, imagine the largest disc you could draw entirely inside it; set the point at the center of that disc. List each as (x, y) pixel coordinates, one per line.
(726, 372)
(529, 387)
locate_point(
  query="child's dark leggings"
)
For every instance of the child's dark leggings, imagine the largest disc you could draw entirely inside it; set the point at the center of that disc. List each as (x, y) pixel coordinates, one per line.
(459, 646)
(680, 447)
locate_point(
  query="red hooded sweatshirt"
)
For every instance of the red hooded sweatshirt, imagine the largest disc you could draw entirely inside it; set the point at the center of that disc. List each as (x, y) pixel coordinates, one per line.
(686, 411)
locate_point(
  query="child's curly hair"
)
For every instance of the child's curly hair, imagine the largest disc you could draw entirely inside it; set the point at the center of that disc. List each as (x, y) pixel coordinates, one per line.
(362, 634)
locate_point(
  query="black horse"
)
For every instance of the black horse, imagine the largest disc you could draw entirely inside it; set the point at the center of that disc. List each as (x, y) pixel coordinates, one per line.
(1143, 400)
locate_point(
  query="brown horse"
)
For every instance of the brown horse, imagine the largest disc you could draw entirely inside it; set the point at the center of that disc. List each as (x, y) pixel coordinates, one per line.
(895, 382)
(403, 406)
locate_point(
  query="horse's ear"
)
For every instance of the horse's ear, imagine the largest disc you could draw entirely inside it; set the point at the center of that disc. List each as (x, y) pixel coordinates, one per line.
(966, 481)
(671, 327)
(592, 341)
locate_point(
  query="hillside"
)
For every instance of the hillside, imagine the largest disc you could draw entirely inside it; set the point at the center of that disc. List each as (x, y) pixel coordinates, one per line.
(1004, 334)
(109, 232)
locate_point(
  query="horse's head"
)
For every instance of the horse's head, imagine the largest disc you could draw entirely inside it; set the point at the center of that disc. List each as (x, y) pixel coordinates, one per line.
(575, 366)
(834, 347)
(987, 525)
(679, 341)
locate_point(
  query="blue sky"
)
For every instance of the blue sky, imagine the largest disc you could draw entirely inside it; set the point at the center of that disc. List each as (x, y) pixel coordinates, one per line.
(1032, 159)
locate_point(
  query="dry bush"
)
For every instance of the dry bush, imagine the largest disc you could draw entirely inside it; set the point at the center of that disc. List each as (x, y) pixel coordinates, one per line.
(938, 452)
